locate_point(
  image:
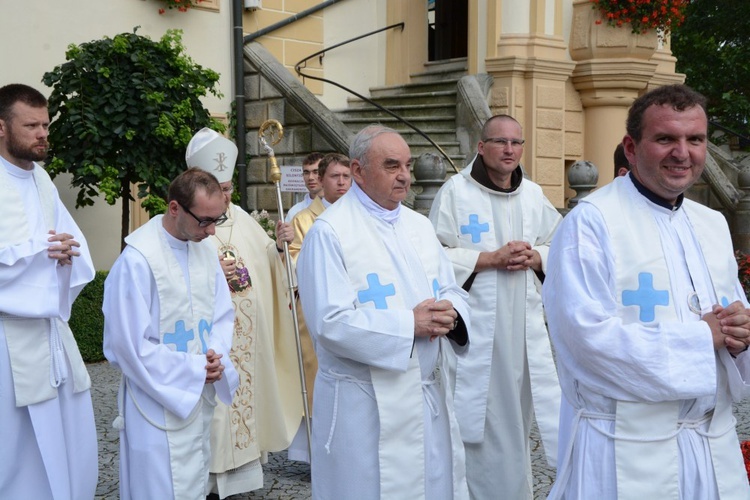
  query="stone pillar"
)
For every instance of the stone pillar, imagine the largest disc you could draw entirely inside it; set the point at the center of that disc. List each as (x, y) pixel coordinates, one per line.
(613, 67)
(405, 51)
(429, 172)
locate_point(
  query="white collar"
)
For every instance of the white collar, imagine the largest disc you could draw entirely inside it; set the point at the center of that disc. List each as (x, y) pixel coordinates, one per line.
(389, 216)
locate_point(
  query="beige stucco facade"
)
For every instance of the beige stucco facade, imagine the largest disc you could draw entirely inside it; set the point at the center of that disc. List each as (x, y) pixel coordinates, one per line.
(36, 34)
(567, 79)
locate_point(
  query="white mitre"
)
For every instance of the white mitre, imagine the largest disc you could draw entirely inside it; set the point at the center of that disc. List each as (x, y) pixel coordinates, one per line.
(212, 152)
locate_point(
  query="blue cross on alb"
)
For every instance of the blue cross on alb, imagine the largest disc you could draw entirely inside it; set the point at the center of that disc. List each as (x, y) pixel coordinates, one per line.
(376, 292)
(475, 229)
(204, 327)
(180, 337)
(646, 297)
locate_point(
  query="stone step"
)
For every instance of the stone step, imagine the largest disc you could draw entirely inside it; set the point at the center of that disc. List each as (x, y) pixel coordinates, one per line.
(436, 71)
(437, 135)
(411, 88)
(457, 63)
(426, 147)
(422, 122)
(429, 103)
(406, 111)
(437, 97)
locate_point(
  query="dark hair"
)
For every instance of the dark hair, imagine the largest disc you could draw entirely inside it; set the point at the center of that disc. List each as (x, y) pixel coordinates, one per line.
(620, 159)
(679, 97)
(331, 159)
(18, 92)
(183, 188)
(486, 126)
(312, 158)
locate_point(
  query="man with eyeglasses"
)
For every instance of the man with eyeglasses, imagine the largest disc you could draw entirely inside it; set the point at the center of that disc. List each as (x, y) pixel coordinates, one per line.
(497, 226)
(266, 410)
(168, 324)
(312, 183)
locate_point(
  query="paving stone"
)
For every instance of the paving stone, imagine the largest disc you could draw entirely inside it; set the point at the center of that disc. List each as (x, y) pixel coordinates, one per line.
(283, 479)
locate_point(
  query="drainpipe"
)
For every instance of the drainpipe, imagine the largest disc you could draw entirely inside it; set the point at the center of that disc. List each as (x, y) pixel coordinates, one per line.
(239, 81)
(239, 98)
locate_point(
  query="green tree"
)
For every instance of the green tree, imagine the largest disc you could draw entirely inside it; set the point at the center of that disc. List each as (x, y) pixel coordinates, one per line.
(713, 50)
(124, 110)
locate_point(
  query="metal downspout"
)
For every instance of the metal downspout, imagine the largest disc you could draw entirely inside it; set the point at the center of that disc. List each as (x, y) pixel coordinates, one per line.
(239, 79)
(239, 99)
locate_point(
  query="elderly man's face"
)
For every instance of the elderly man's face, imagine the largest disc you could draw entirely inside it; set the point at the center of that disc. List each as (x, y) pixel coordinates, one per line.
(671, 154)
(387, 176)
(227, 188)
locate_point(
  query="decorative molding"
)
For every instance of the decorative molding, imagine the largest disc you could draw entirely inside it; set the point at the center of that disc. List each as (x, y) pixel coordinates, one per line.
(211, 5)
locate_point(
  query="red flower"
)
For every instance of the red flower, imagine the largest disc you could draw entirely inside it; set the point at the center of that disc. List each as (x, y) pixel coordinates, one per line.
(642, 15)
(180, 5)
(745, 447)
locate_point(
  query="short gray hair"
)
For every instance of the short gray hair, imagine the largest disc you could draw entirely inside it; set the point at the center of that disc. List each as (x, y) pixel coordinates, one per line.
(362, 142)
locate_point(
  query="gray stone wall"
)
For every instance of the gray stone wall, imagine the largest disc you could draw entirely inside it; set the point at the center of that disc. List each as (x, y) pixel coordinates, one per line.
(264, 102)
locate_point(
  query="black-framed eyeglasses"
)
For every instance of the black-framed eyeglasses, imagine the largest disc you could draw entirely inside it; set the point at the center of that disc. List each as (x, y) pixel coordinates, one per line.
(207, 221)
(502, 141)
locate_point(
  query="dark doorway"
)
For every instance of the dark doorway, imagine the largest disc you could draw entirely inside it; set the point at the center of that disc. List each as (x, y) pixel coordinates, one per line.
(448, 29)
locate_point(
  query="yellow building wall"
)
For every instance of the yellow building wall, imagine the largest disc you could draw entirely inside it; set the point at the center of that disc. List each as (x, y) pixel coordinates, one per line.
(293, 42)
(545, 57)
(37, 34)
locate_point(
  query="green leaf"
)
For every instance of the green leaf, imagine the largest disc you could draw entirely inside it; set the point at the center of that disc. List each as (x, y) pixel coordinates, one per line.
(124, 108)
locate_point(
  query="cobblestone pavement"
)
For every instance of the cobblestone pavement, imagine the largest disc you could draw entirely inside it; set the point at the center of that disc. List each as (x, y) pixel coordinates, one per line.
(283, 479)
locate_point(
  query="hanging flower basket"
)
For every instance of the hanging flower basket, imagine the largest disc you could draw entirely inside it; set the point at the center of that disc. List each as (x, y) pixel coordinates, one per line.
(642, 15)
(181, 5)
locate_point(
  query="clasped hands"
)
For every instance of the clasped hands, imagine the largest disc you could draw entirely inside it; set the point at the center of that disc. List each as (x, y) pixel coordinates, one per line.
(214, 368)
(434, 318)
(515, 256)
(730, 327)
(62, 248)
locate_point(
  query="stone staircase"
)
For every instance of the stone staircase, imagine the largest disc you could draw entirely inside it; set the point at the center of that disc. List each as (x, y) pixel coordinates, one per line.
(428, 102)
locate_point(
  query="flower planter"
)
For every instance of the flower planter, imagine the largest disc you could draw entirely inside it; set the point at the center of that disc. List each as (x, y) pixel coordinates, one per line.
(593, 38)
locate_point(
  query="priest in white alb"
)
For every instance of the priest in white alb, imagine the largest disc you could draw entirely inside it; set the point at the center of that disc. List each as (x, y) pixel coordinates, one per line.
(650, 324)
(168, 322)
(496, 227)
(266, 409)
(47, 432)
(382, 306)
(335, 178)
